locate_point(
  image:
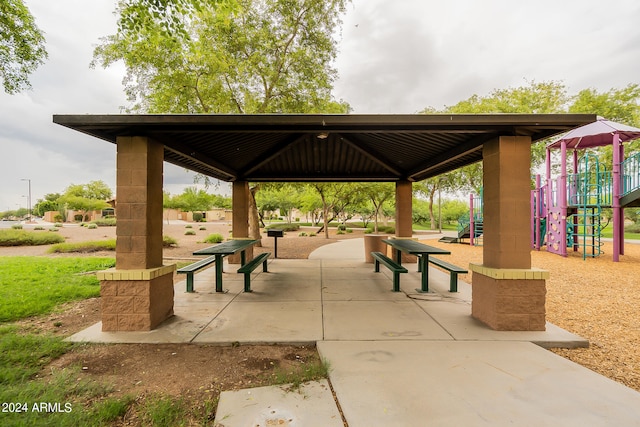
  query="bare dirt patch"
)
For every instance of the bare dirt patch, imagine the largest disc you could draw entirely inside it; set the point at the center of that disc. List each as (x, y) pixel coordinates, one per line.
(201, 371)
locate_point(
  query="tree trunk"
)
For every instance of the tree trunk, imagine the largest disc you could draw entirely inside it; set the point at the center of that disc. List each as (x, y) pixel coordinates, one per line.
(254, 216)
(431, 216)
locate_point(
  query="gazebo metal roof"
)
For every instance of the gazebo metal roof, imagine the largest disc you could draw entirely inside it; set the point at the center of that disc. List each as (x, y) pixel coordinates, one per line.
(283, 147)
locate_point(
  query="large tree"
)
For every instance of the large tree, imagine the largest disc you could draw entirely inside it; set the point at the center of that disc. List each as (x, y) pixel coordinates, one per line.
(86, 197)
(22, 47)
(262, 56)
(227, 56)
(376, 193)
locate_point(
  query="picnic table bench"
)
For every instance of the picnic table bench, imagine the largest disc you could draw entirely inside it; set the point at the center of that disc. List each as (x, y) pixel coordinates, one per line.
(190, 270)
(248, 268)
(453, 269)
(395, 268)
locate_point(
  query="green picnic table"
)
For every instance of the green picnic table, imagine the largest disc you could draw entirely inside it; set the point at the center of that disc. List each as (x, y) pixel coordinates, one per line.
(423, 251)
(221, 250)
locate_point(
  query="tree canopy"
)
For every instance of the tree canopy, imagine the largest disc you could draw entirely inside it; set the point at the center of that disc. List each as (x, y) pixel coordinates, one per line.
(22, 47)
(622, 105)
(251, 56)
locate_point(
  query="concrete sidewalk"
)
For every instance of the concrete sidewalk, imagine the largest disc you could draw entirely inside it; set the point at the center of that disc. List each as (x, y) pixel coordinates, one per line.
(401, 359)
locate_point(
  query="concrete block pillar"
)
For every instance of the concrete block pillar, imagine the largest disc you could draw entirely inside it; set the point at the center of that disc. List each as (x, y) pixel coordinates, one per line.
(404, 209)
(240, 221)
(404, 216)
(138, 294)
(507, 293)
(139, 203)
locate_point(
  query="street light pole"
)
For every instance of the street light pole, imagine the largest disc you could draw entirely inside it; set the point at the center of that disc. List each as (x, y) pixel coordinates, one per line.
(29, 198)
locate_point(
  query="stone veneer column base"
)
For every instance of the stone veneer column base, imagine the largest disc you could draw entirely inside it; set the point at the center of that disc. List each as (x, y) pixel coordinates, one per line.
(136, 300)
(509, 299)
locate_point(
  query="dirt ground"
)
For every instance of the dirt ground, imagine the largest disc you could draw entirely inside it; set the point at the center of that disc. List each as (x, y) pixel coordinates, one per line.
(594, 298)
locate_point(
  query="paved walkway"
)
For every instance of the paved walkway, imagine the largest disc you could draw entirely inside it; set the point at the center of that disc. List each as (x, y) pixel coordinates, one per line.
(397, 359)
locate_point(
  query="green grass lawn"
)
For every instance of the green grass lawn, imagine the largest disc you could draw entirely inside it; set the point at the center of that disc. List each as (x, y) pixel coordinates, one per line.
(31, 286)
(608, 232)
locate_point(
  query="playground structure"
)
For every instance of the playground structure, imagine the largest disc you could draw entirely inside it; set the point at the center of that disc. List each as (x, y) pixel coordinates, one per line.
(474, 221)
(566, 211)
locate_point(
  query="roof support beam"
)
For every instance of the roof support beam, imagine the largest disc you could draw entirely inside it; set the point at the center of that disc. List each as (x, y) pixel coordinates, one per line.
(275, 152)
(205, 161)
(458, 151)
(370, 154)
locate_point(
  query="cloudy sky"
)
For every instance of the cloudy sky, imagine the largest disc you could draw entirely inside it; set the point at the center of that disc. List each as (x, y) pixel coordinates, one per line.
(396, 57)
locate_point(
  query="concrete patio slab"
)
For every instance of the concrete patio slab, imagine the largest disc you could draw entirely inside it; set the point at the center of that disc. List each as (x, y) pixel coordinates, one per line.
(377, 289)
(454, 315)
(418, 383)
(310, 406)
(379, 320)
(265, 322)
(177, 329)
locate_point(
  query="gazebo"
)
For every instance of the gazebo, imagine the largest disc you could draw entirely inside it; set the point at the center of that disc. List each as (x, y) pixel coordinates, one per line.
(507, 293)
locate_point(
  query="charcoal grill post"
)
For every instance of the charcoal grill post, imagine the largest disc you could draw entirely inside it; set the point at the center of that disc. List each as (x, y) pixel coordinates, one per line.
(275, 234)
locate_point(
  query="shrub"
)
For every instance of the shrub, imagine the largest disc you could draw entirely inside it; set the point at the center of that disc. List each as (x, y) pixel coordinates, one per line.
(381, 229)
(105, 222)
(84, 247)
(189, 233)
(38, 228)
(214, 238)
(632, 228)
(78, 218)
(169, 242)
(27, 238)
(342, 227)
(53, 229)
(284, 227)
(17, 226)
(349, 230)
(203, 228)
(57, 224)
(92, 226)
(188, 226)
(58, 218)
(303, 234)
(312, 234)
(340, 232)
(197, 216)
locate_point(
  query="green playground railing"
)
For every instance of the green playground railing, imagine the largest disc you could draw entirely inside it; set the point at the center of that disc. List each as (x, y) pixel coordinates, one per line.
(631, 174)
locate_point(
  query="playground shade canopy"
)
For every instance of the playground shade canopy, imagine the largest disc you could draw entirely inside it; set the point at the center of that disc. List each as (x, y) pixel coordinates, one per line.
(597, 134)
(285, 147)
